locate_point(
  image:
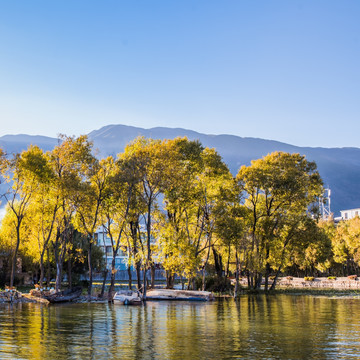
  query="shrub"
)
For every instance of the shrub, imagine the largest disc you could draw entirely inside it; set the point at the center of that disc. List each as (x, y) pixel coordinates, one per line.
(352, 277)
(309, 278)
(214, 283)
(289, 278)
(84, 283)
(331, 278)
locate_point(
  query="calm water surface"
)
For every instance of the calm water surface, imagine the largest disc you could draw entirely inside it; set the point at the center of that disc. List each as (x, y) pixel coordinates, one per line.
(255, 327)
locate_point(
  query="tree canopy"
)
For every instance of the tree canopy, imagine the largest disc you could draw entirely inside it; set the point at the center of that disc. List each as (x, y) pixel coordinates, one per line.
(171, 205)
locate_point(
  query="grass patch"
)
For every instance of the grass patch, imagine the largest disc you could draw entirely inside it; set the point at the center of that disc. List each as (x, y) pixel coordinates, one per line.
(302, 291)
(24, 289)
(315, 292)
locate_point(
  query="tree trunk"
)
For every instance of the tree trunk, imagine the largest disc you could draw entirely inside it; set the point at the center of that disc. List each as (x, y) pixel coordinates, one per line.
(130, 276)
(204, 268)
(145, 284)
(152, 269)
(90, 268)
(112, 278)
(169, 280)
(58, 276)
(69, 275)
(42, 269)
(69, 270)
(275, 279)
(258, 281)
(238, 270)
(104, 283)
(14, 259)
(218, 263)
(48, 276)
(138, 276)
(149, 262)
(228, 262)
(189, 283)
(133, 229)
(267, 274)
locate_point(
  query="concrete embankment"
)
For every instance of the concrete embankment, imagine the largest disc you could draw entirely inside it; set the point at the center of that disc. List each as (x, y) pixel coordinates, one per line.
(340, 283)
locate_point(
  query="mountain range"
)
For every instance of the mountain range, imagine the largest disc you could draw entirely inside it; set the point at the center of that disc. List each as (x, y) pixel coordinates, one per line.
(338, 167)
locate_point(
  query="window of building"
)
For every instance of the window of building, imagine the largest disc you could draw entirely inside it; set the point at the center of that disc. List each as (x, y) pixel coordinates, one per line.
(122, 253)
(108, 251)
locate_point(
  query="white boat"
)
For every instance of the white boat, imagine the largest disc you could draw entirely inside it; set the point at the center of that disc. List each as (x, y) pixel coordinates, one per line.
(190, 295)
(127, 297)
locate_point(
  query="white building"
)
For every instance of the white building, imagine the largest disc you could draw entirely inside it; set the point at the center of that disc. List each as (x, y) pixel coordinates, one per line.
(349, 214)
(121, 260)
(104, 242)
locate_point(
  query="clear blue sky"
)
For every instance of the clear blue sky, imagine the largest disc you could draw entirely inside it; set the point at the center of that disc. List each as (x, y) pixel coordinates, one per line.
(283, 70)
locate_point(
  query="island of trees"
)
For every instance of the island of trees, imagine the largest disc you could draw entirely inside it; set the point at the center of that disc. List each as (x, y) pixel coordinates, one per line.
(208, 225)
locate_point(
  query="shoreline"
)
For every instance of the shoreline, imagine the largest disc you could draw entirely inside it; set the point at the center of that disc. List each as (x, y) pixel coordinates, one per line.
(339, 283)
(341, 286)
(319, 283)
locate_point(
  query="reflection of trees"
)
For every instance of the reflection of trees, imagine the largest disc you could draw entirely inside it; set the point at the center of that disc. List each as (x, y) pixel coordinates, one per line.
(278, 326)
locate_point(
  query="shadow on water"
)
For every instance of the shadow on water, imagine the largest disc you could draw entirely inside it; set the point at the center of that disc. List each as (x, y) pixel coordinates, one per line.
(252, 327)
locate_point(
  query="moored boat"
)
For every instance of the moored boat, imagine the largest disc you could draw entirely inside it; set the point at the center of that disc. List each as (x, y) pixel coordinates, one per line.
(190, 295)
(127, 297)
(64, 296)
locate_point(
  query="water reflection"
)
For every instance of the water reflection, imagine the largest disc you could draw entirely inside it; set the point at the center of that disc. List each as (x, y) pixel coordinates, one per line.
(255, 327)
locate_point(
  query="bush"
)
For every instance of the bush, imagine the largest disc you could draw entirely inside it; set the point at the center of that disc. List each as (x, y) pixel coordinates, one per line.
(214, 283)
(83, 283)
(331, 277)
(352, 277)
(309, 278)
(198, 283)
(289, 278)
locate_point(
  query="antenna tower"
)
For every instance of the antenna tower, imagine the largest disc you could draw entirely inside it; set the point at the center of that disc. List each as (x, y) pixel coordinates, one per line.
(324, 204)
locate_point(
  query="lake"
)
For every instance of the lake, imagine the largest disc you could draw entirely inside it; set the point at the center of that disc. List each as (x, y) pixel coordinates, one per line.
(253, 327)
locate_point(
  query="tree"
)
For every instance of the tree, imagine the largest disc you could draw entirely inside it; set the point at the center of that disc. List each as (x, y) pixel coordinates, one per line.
(118, 198)
(153, 166)
(40, 223)
(280, 188)
(26, 171)
(346, 245)
(196, 190)
(179, 196)
(232, 231)
(88, 201)
(318, 255)
(43, 211)
(70, 161)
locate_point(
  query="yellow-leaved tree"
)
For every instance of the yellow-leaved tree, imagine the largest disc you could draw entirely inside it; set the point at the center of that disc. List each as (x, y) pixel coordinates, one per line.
(280, 190)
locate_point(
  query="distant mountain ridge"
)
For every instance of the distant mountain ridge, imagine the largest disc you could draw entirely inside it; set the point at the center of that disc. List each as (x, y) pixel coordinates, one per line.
(339, 167)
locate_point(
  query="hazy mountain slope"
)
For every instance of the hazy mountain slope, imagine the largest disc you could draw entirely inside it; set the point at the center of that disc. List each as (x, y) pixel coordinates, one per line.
(18, 143)
(339, 167)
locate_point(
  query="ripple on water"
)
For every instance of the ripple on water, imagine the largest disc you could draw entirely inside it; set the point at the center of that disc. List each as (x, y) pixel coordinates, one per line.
(255, 327)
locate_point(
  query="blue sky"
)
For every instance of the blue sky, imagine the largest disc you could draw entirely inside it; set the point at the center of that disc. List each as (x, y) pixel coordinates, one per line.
(282, 70)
